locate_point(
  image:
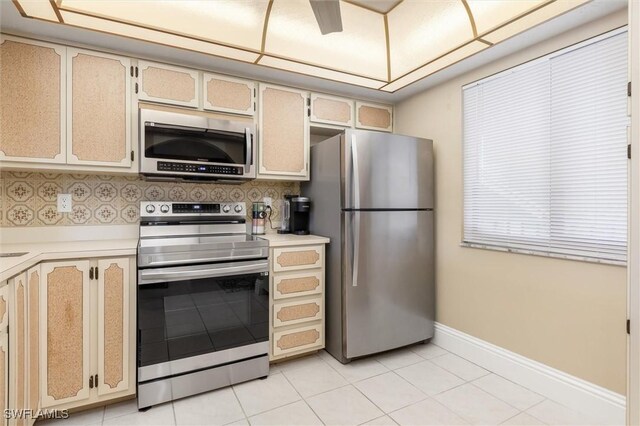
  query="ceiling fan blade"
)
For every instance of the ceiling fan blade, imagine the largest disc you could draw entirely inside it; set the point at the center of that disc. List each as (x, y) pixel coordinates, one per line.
(327, 14)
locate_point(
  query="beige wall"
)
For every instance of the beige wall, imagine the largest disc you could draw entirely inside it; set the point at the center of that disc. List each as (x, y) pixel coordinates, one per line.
(566, 314)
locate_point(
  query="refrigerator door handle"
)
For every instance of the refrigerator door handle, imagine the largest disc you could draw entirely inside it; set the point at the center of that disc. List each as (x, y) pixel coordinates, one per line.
(356, 173)
(356, 249)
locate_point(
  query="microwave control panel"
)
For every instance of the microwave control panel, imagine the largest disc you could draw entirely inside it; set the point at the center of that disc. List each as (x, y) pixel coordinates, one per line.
(168, 166)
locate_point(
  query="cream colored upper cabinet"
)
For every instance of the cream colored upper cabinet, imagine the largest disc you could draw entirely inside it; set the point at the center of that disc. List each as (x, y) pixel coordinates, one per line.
(331, 110)
(64, 332)
(113, 325)
(168, 84)
(32, 101)
(374, 116)
(228, 94)
(98, 109)
(283, 133)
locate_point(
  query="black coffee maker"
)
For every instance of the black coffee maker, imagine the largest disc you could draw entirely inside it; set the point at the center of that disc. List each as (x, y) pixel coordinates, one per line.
(299, 215)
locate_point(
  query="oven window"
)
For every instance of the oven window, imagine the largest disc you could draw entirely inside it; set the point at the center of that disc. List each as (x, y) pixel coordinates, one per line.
(180, 319)
(195, 145)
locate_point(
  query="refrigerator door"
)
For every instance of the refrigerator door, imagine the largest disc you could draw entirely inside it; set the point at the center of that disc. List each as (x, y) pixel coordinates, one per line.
(388, 280)
(383, 171)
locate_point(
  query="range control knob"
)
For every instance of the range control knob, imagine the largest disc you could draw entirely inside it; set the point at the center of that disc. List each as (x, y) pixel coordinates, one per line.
(164, 208)
(238, 208)
(226, 208)
(150, 208)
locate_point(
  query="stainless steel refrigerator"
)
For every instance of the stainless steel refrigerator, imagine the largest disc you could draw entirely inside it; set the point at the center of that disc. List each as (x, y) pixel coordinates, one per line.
(372, 194)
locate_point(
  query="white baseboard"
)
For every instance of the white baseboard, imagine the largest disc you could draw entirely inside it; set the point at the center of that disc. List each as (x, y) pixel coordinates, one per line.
(577, 394)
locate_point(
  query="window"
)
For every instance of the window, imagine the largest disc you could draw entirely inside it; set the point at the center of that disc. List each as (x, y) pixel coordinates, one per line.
(545, 161)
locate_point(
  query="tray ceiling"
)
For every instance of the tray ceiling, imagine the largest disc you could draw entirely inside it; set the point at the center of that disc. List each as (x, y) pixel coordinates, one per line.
(385, 44)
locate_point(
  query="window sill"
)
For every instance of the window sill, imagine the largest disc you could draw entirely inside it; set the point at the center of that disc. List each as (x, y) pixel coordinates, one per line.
(544, 254)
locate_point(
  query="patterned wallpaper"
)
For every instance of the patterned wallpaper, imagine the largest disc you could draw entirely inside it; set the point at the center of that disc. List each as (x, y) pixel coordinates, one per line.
(30, 199)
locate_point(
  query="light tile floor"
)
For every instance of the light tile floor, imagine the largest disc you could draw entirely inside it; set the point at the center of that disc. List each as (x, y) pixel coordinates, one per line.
(419, 385)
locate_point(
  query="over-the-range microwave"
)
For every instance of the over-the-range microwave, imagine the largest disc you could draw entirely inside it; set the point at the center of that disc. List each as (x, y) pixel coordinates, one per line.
(177, 145)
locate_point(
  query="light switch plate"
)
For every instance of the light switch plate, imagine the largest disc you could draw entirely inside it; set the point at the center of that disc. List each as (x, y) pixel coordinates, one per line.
(267, 201)
(64, 203)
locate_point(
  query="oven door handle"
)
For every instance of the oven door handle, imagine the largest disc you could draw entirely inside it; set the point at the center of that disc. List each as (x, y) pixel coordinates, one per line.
(151, 276)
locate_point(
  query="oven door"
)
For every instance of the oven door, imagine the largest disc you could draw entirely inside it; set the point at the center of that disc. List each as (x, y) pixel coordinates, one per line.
(199, 316)
(194, 145)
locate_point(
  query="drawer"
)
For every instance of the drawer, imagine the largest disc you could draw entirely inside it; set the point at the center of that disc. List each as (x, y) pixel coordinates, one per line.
(294, 284)
(297, 339)
(296, 258)
(4, 307)
(287, 313)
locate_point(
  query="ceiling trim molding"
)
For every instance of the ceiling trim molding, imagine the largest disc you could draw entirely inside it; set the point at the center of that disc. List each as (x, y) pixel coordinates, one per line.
(54, 6)
(485, 41)
(362, 6)
(265, 26)
(472, 21)
(394, 6)
(386, 36)
(20, 9)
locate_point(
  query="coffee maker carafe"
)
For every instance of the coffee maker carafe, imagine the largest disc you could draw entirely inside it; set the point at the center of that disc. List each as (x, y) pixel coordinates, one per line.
(299, 215)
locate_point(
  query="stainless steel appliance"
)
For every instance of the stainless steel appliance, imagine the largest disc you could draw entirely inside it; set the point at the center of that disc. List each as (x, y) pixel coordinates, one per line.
(177, 145)
(373, 196)
(203, 301)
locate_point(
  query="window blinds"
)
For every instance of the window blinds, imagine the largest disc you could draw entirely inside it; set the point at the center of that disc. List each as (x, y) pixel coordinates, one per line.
(545, 165)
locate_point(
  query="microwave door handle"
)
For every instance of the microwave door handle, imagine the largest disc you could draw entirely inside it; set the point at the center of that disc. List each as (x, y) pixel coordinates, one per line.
(249, 146)
(176, 127)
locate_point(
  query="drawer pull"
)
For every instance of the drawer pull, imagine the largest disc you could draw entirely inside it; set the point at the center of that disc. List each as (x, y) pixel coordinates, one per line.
(297, 285)
(300, 338)
(296, 312)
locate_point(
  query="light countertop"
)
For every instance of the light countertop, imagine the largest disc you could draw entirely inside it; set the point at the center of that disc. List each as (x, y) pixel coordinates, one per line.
(38, 252)
(283, 240)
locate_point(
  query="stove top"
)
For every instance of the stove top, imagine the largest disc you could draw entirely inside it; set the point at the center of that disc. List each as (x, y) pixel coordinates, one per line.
(193, 233)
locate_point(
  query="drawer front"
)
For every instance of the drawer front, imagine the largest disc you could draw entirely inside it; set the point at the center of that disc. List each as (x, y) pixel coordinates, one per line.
(287, 313)
(297, 284)
(297, 339)
(296, 258)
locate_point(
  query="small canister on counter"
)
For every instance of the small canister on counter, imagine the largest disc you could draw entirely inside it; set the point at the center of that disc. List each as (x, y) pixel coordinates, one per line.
(259, 216)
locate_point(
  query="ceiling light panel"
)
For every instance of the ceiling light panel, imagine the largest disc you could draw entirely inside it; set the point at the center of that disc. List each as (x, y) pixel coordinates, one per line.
(153, 36)
(360, 49)
(39, 9)
(537, 17)
(488, 14)
(437, 65)
(231, 22)
(421, 31)
(328, 74)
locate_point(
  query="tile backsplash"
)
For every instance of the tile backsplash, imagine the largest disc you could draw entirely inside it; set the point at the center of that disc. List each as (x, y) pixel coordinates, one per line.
(30, 199)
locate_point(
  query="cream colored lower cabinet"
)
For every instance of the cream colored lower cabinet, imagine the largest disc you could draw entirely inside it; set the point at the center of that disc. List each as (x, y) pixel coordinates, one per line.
(296, 306)
(18, 378)
(87, 331)
(4, 349)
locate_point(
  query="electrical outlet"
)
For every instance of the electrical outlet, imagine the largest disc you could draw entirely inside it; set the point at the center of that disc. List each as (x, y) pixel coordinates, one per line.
(267, 201)
(64, 203)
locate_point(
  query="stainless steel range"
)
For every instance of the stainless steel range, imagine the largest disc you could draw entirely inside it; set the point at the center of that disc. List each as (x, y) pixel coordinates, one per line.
(203, 301)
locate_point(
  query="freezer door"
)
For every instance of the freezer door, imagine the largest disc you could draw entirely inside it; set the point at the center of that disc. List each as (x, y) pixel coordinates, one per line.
(386, 171)
(388, 280)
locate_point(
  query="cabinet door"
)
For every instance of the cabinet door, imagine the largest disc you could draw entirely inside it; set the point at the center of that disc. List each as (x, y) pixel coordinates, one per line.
(168, 84)
(331, 110)
(227, 94)
(374, 116)
(32, 101)
(64, 332)
(4, 374)
(18, 345)
(33, 339)
(113, 325)
(98, 109)
(4, 307)
(284, 133)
